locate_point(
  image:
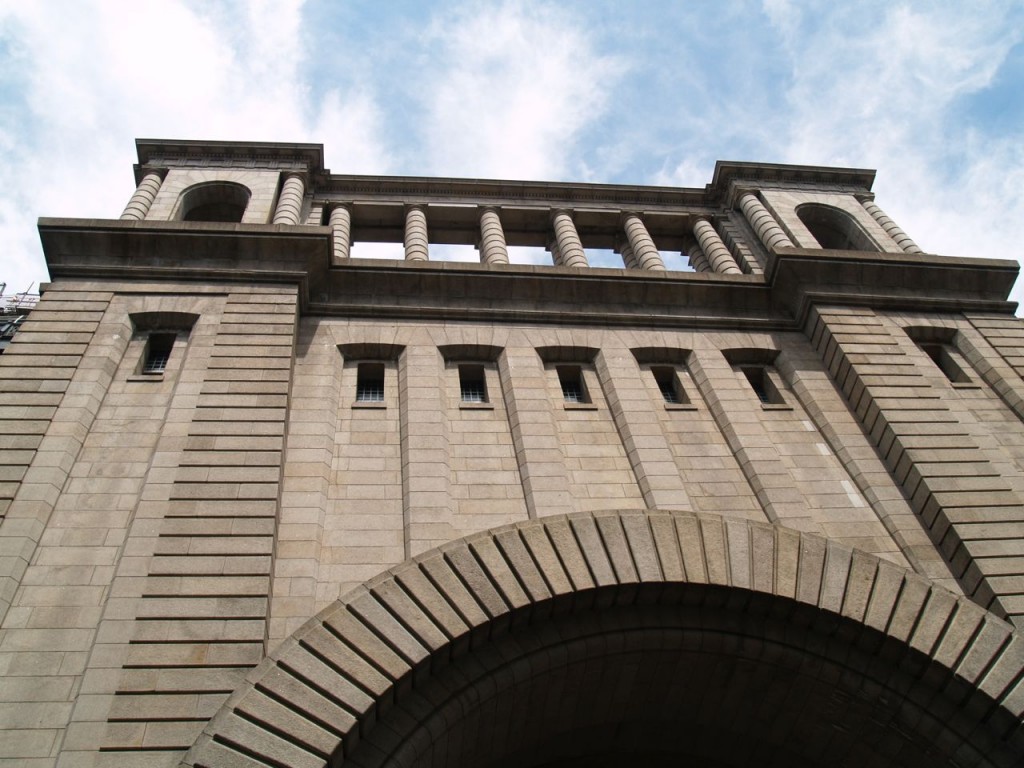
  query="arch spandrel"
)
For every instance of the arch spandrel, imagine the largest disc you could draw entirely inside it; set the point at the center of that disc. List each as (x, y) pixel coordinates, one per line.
(393, 647)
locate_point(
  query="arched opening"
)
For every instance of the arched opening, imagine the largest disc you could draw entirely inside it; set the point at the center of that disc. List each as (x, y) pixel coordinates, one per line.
(222, 201)
(691, 675)
(634, 639)
(834, 228)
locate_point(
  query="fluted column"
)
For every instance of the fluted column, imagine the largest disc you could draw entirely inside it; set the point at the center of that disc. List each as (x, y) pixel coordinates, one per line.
(891, 228)
(698, 260)
(144, 196)
(570, 249)
(764, 223)
(715, 250)
(493, 249)
(416, 244)
(341, 233)
(289, 205)
(645, 252)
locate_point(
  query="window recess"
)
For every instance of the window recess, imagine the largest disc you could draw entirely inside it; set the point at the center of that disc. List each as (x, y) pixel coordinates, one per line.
(370, 384)
(472, 385)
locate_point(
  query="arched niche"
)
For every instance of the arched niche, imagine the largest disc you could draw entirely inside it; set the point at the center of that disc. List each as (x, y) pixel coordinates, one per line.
(635, 638)
(222, 201)
(834, 228)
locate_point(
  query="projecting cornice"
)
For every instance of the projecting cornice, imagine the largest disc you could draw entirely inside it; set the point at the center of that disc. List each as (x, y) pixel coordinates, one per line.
(170, 153)
(795, 280)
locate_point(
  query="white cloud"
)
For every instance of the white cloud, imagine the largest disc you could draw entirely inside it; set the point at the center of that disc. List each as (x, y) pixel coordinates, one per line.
(509, 88)
(96, 75)
(883, 90)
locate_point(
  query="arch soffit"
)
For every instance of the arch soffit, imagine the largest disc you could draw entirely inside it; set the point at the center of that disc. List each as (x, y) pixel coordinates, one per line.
(434, 601)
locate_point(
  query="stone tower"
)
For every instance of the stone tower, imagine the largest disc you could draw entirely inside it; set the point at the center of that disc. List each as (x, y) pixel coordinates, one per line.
(754, 496)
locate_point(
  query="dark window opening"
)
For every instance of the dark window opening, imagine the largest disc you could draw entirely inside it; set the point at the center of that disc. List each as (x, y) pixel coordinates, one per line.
(761, 383)
(668, 382)
(570, 377)
(222, 201)
(834, 228)
(943, 359)
(370, 383)
(158, 352)
(472, 384)
(224, 212)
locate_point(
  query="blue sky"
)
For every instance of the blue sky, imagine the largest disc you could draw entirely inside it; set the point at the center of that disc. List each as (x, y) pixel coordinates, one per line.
(931, 94)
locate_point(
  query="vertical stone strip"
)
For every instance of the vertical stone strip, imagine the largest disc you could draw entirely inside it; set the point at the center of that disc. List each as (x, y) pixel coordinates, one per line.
(741, 419)
(642, 437)
(570, 248)
(202, 608)
(845, 438)
(1006, 336)
(642, 244)
(122, 482)
(714, 249)
(534, 435)
(493, 249)
(764, 223)
(891, 228)
(416, 244)
(970, 511)
(341, 233)
(53, 377)
(992, 365)
(425, 458)
(143, 198)
(52, 380)
(305, 486)
(289, 204)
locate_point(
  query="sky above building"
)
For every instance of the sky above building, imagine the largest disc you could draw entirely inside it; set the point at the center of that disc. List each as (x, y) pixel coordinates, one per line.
(931, 94)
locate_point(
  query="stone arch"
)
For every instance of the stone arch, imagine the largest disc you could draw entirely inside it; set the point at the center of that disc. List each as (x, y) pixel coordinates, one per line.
(404, 665)
(223, 201)
(834, 228)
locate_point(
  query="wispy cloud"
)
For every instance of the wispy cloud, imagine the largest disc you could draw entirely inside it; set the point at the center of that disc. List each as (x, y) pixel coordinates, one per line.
(92, 78)
(509, 88)
(884, 90)
(592, 90)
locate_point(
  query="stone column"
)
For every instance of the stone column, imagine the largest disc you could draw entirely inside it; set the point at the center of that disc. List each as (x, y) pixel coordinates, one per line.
(764, 223)
(645, 252)
(145, 193)
(416, 244)
(716, 252)
(289, 205)
(493, 249)
(628, 256)
(891, 228)
(570, 249)
(697, 258)
(341, 233)
(556, 255)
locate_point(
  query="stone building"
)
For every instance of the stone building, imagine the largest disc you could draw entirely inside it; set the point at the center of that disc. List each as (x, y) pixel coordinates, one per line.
(267, 502)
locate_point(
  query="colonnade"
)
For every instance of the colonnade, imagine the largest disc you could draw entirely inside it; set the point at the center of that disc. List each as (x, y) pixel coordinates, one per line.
(707, 251)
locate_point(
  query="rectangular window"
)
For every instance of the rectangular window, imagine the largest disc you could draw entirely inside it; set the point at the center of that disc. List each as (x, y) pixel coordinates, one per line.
(472, 384)
(370, 383)
(761, 383)
(570, 377)
(668, 382)
(158, 352)
(944, 357)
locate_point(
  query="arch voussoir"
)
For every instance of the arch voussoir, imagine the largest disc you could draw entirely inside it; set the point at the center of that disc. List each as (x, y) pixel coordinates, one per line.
(346, 670)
